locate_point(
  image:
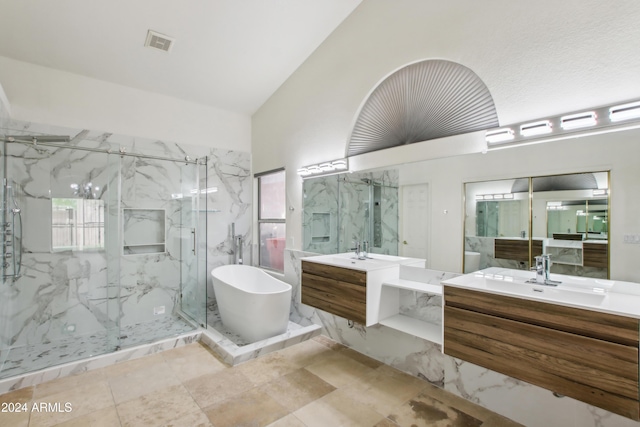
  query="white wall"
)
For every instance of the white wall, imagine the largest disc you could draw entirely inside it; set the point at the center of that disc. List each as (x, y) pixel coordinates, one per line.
(537, 59)
(53, 97)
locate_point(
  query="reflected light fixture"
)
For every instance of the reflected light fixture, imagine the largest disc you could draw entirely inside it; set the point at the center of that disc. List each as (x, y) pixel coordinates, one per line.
(499, 196)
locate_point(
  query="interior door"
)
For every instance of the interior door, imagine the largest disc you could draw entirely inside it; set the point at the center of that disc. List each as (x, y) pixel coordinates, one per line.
(415, 220)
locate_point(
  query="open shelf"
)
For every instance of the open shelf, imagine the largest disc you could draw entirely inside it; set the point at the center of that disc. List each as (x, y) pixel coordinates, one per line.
(419, 328)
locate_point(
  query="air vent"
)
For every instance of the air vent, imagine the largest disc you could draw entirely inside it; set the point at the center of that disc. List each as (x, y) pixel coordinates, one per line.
(159, 41)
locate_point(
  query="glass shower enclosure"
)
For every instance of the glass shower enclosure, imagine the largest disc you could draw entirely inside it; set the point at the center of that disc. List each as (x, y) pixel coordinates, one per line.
(100, 250)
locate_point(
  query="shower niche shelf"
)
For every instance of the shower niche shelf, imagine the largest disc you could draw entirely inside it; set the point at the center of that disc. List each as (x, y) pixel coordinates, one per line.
(143, 231)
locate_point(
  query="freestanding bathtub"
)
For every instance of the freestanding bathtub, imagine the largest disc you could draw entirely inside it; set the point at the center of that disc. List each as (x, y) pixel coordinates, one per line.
(252, 303)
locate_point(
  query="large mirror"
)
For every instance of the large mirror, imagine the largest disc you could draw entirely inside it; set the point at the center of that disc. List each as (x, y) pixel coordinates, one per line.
(339, 210)
(570, 213)
(568, 219)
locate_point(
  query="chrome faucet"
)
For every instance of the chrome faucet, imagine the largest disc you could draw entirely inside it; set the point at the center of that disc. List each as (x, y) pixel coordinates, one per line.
(360, 249)
(543, 267)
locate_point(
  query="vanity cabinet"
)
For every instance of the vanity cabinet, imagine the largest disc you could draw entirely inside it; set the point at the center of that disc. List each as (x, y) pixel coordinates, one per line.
(336, 290)
(516, 249)
(595, 254)
(588, 355)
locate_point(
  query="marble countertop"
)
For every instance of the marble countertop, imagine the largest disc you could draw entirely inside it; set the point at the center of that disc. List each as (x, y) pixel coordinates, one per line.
(372, 263)
(606, 296)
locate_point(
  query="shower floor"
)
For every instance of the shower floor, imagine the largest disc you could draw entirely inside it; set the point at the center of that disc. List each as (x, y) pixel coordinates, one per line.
(22, 359)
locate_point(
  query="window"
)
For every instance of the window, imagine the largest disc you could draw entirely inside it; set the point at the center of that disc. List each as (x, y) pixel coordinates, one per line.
(271, 219)
(77, 224)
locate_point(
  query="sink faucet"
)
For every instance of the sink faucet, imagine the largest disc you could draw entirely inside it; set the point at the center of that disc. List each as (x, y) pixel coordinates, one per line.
(543, 266)
(361, 249)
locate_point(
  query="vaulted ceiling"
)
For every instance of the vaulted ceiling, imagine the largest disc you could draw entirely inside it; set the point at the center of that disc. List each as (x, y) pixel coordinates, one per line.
(230, 54)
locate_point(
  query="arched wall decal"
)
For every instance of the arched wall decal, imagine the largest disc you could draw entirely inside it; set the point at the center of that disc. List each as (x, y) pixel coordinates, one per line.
(422, 101)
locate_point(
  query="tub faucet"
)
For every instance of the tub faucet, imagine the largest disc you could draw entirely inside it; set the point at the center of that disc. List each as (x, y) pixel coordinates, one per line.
(543, 266)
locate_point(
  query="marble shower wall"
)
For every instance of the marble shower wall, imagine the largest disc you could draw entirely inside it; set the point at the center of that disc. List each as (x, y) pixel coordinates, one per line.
(525, 403)
(59, 289)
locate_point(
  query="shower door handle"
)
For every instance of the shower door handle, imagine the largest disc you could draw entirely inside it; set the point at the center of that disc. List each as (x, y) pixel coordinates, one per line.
(193, 234)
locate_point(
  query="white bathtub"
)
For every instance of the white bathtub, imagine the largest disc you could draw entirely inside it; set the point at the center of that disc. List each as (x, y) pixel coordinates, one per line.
(252, 303)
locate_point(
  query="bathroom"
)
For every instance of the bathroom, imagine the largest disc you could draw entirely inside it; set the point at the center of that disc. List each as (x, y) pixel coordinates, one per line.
(321, 118)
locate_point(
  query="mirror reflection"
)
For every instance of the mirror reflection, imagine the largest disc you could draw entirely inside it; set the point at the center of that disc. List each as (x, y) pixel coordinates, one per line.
(571, 214)
(569, 221)
(339, 210)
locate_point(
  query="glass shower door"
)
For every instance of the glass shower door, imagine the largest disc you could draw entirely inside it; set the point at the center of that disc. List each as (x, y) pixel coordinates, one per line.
(192, 207)
(57, 308)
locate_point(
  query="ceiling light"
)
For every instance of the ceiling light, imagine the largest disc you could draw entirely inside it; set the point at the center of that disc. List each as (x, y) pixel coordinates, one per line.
(304, 172)
(580, 120)
(498, 196)
(498, 136)
(600, 192)
(536, 128)
(508, 196)
(624, 112)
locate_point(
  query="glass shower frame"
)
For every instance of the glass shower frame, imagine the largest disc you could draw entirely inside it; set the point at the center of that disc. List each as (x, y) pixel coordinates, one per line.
(107, 298)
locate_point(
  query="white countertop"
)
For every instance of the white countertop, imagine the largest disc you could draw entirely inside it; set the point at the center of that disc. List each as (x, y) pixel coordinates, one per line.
(606, 296)
(372, 263)
(568, 244)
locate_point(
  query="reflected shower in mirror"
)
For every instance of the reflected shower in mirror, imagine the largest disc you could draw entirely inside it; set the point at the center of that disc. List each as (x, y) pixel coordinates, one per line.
(340, 209)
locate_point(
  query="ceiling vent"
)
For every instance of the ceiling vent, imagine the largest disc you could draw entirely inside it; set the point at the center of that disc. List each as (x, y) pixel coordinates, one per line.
(159, 41)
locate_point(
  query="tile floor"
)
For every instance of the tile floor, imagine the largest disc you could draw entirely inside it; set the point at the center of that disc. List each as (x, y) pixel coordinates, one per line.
(314, 383)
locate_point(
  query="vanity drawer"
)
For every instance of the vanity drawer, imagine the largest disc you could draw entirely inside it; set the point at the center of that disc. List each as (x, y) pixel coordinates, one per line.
(336, 290)
(607, 327)
(595, 255)
(515, 249)
(587, 355)
(339, 273)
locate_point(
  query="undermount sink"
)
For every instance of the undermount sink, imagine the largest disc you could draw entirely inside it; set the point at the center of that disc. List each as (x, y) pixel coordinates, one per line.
(594, 296)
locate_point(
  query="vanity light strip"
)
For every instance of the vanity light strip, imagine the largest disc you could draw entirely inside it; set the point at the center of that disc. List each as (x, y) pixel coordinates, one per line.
(595, 121)
(325, 168)
(499, 196)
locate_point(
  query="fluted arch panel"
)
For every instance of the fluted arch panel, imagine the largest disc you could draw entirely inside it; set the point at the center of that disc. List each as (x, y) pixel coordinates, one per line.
(422, 101)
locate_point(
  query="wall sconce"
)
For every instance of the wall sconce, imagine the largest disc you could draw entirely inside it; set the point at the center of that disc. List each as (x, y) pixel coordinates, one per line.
(325, 168)
(594, 121)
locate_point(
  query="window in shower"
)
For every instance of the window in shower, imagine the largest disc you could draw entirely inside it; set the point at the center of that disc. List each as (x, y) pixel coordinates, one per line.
(77, 224)
(271, 219)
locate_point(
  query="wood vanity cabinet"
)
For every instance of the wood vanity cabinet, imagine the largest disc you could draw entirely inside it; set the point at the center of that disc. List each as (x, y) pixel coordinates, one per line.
(516, 249)
(587, 355)
(336, 290)
(595, 255)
